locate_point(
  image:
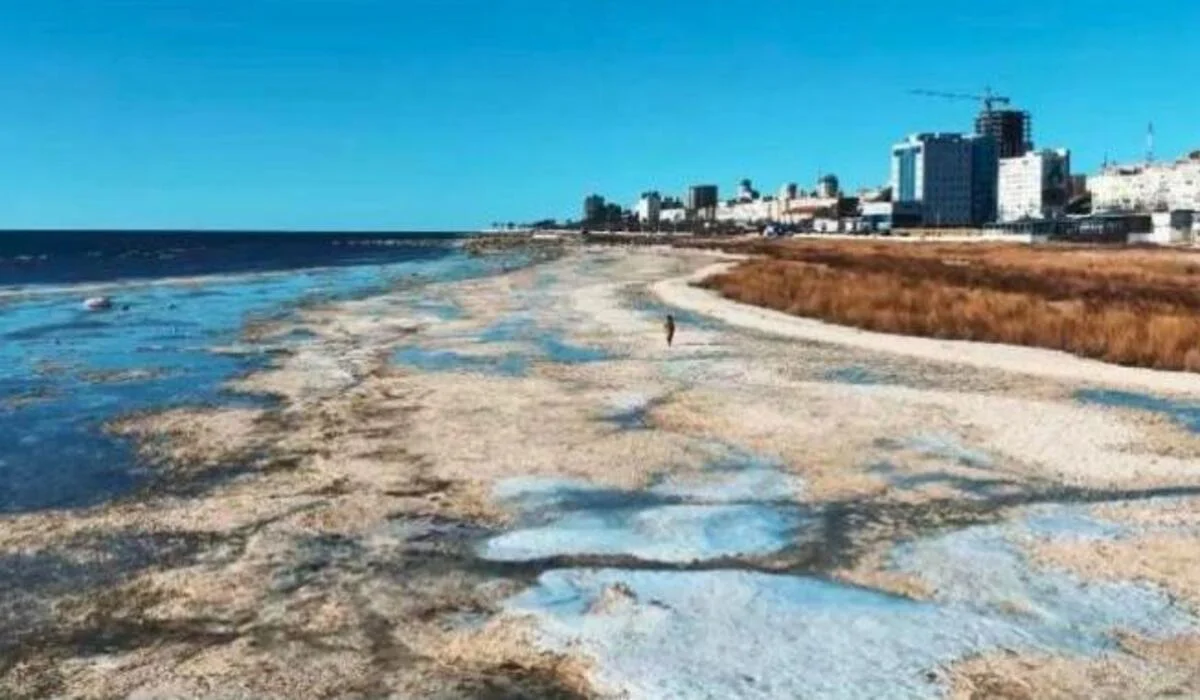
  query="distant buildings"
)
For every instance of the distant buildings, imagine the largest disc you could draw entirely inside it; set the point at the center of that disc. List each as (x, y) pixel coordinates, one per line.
(746, 192)
(1167, 227)
(1012, 130)
(649, 208)
(593, 209)
(950, 176)
(888, 216)
(1148, 187)
(985, 173)
(792, 206)
(1036, 185)
(702, 199)
(990, 178)
(825, 202)
(672, 215)
(827, 186)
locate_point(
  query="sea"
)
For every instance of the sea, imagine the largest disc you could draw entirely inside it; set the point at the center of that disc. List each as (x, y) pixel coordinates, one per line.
(177, 297)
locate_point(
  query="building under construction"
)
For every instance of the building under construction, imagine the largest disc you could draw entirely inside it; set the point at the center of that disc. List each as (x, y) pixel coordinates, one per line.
(1011, 128)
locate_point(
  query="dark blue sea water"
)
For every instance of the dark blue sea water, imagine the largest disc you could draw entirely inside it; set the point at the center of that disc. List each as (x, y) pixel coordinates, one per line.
(35, 257)
(65, 372)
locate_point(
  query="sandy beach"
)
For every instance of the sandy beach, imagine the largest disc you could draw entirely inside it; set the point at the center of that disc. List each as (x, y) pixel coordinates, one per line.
(511, 487)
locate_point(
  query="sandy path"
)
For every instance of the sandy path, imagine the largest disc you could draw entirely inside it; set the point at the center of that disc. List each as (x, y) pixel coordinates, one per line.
(1036, 362)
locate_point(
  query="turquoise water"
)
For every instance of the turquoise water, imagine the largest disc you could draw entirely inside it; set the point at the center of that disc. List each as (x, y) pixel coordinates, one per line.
(857, 374)
(65, 372)
(740, 505)
(1186, 413)
(547, 342)
(426, 360)
(534, 343)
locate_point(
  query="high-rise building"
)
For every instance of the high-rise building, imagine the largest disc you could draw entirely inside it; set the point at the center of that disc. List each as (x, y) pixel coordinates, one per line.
(1036, 185)
(593, 208)
(1012, 129)
(985, 167)
(951, 177)
(702, 197)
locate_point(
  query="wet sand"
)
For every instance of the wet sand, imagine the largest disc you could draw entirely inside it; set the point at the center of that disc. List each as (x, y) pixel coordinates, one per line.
(476, 489)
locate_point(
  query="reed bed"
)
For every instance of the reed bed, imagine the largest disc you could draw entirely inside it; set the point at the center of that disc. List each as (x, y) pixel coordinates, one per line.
(1126, 306)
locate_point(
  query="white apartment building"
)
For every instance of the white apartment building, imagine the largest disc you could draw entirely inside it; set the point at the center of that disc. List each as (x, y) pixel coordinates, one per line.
(1034, 186)
(746, 212)
(649, 208)
(676, 215)
(1149, 187)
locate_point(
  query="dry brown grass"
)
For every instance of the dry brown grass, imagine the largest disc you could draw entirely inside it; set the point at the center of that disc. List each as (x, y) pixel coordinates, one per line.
(1127, 306)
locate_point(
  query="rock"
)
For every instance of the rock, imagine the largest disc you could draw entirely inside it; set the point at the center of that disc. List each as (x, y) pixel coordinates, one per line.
(97, 303)
(614, 596)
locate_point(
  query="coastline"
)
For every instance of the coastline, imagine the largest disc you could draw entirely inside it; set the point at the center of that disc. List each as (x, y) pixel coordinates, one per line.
(443, 504)
(1040, 362)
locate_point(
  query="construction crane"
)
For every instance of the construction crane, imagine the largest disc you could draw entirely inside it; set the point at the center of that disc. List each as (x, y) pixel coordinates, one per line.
(988, 98)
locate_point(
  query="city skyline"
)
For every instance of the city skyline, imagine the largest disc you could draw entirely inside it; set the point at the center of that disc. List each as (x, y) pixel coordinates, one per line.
(366, 115)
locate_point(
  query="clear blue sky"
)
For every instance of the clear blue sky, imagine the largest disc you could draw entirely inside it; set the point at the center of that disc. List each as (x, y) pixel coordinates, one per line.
(455, 113)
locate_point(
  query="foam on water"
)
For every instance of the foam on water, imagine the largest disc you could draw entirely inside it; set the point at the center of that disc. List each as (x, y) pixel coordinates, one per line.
(665, 533)
(743, 505)
(1071, 522)
(739, 634)
(732, 633)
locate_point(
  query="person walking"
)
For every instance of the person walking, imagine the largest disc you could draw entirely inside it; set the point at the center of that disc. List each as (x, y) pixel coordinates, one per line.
(670, 328)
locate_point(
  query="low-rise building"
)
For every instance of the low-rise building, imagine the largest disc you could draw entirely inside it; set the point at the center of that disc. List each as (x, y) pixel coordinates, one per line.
(1148, 187)
(1034, 186)
(750, 211)
(1096, 228)
(887, 216)
(672, 216)
(1168, 228)
(797, 207)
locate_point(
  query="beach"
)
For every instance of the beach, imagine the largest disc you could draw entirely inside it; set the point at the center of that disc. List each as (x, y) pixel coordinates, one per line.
(507, 484)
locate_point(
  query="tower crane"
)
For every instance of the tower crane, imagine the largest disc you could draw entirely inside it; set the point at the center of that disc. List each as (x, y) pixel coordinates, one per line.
(987, 99)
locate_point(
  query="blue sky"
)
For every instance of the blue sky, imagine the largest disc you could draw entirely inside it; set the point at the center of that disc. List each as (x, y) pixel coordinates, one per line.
(427, 114)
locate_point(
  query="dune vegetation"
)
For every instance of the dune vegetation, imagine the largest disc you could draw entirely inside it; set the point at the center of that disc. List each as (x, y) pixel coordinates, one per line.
(1127, 306)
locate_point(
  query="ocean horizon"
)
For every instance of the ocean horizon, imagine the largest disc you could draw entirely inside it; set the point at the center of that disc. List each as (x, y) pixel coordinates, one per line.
(65, 256)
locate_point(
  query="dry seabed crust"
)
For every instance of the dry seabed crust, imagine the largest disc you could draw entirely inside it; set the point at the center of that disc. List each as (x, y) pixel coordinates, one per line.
(340, 553)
